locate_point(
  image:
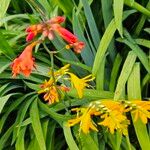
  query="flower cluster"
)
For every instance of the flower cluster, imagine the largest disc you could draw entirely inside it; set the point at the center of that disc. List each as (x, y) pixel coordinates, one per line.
(25, 62)
(52, 26)
(51, 87)
(110, 114)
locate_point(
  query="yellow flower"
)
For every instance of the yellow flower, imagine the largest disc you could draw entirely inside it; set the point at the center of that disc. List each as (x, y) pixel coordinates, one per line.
(113, 115)
(85, 120)
(113, 105)
(62, 71)
(115, 120)
(141, 110)
(80, 84)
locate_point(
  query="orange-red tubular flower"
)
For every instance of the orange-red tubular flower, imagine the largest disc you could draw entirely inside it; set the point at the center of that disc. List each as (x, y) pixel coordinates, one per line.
(33, 30)
(57, 19)
(25, 62)
(78, 46)
(31, 36)
(65, 34)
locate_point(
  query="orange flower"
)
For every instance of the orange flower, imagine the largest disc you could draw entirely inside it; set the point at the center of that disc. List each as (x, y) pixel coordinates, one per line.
(63, 88)
(51, 95)
(57, 19)
(44, 28)
(48, 28)
(78, 46)
(33, 30)
(25, 62)
(50, 91)
(65, 34)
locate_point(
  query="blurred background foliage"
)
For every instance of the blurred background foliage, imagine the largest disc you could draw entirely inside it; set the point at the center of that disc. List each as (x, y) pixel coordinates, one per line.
(116, 34)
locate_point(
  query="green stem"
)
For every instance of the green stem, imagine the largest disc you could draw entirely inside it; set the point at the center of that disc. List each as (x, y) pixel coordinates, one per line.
(138, 7)
(52, 67)
(54, 52)
(51, 53)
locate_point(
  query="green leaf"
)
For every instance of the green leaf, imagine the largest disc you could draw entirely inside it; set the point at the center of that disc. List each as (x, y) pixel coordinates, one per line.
(107, 11)
(20, 117)
(143, 42)
(9, 88)
(92, 94)
(86, 53)
(145, 80)
(47, 6)
(131, 2)
(2, 88)
(114, 72)
(44, 124)
(59, 118)
(137, 50)
(11, 108)
(104, 43)
(34, 114)
(100, 78)
(33, 143)
(147, 30)
(142, 21)
(5, 66)
(3, 101)
(20, 145)
(91, 23)
(5, 47)
(3, 7)
(66, 6)
(107, 17)
(11, 17)
(69, 138)
(118, 140)
(87, 142)
(118, 12)
(33, 86)
(51, 135)
(134, 93)
(138, 7)
(85, 67)
(35, 5)
(125, 72)
(5, 137)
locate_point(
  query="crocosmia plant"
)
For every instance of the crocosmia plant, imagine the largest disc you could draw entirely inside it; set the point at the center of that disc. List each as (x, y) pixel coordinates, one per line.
(74, 75)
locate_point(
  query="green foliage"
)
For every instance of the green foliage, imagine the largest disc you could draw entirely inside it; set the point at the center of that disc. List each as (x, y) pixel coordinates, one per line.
(116, 52)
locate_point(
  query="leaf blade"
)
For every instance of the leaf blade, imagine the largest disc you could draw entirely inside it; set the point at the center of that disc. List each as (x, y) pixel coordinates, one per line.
(34, 114)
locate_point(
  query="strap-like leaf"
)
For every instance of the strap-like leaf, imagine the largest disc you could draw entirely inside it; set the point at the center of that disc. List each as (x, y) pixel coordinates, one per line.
(34, 114)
